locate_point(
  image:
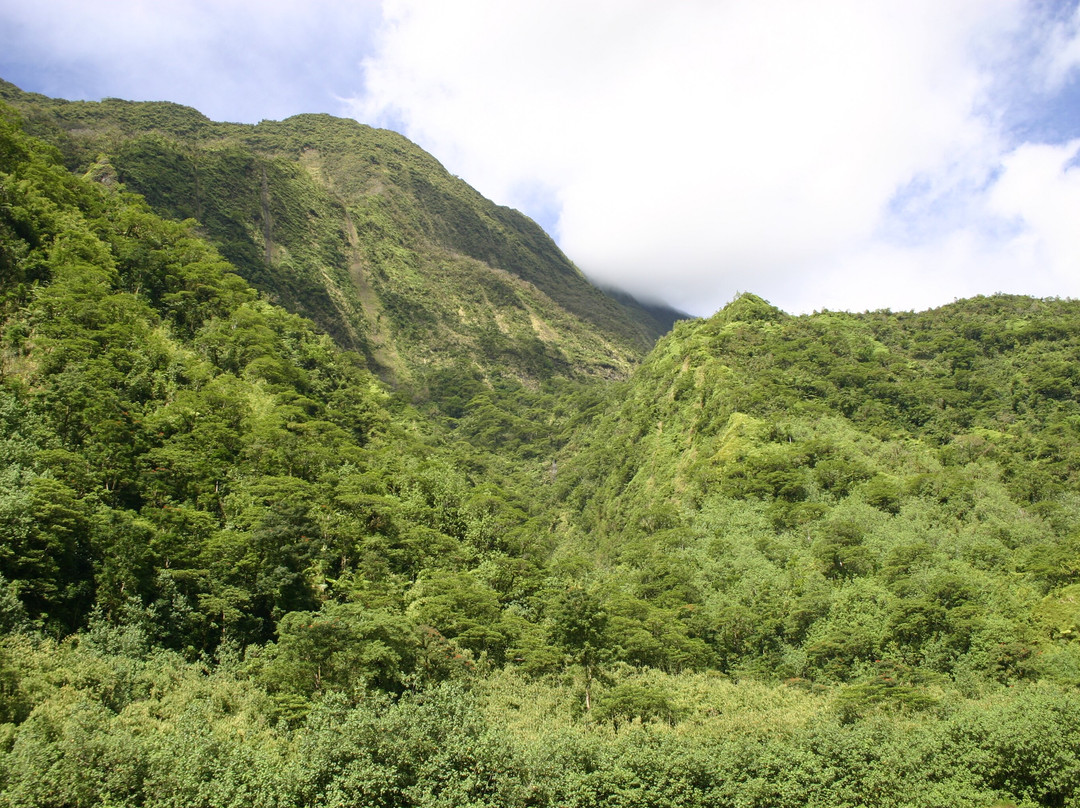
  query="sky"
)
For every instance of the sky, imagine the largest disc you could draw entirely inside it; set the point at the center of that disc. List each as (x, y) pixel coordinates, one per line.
(839, 154)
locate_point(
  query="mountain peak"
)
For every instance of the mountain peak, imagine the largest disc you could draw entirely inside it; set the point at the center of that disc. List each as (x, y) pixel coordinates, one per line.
(748, 308)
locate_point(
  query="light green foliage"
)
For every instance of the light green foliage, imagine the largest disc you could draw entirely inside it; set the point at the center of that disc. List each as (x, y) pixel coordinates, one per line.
(157, 731)
(834, 520)
(819, 560)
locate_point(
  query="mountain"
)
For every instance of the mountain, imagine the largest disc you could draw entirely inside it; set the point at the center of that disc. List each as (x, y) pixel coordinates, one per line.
(828, 559)
(364, 233)
(816, 495)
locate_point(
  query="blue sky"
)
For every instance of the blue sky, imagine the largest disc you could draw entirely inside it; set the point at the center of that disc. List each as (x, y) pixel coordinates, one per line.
(835, 154)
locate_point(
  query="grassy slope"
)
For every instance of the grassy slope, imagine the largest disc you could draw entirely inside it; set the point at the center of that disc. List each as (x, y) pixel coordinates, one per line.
(362, 231)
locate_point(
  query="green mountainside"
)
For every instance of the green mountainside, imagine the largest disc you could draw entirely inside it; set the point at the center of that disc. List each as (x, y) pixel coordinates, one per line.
(820, 496)
(830, 559)
(362, 232)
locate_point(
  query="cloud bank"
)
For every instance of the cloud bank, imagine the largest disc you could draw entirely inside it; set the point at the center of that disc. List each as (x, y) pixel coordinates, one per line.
(834, 154)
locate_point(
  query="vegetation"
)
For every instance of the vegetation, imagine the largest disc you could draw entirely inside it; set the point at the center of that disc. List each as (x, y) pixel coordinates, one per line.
(365, 234)
(819, 560)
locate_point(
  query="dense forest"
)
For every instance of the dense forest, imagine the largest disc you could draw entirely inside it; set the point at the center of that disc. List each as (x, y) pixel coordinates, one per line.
(254, 553)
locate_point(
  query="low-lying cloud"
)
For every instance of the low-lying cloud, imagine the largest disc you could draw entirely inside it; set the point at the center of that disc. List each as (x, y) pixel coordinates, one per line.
(841, 154)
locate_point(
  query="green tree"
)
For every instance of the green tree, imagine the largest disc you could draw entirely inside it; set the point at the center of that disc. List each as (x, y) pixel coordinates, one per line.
(344, 647)
(578, 624)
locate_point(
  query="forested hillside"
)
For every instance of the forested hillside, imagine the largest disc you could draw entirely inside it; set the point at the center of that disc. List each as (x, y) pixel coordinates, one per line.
(837, 495)
(817, 560)
(365, 234)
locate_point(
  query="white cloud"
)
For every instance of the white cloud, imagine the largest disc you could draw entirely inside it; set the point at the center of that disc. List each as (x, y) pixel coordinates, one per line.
(1063, 51)
(829, 153)
(1021, 239)
(1039, 190)
(237, 60)
(697, 148)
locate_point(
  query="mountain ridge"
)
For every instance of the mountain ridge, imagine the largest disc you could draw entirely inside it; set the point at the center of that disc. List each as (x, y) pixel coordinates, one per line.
(365, 233)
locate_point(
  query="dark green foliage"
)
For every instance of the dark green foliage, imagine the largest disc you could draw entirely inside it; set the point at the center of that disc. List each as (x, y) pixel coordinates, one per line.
(172, 441)
(363, 233)
(818, 560)
(342, 647)
(628, 702)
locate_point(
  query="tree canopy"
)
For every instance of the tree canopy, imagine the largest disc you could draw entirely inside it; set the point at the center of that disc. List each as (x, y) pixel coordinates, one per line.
(788, 560)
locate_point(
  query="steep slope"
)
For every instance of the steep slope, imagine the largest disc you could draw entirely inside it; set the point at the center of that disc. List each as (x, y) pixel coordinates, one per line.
(363, 232)
(826, 560)
(172, 446)
(813, 496)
